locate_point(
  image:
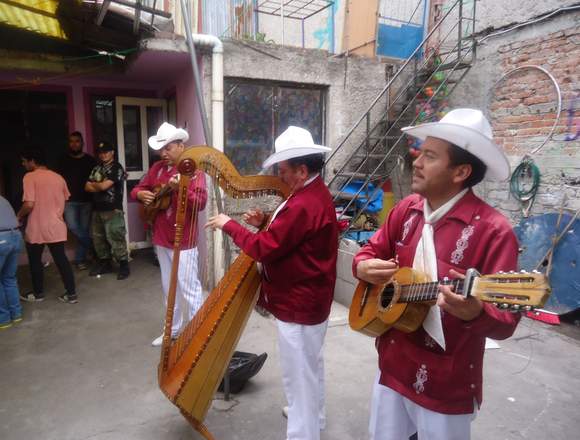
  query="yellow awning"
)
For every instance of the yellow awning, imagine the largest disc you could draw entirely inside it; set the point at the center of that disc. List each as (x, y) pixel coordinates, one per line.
(32, 15)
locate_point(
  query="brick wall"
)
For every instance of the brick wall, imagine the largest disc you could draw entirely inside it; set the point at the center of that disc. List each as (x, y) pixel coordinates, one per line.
(523, 109)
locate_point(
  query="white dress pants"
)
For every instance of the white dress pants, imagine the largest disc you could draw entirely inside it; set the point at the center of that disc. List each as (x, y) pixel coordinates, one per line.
(394, 417)
(302, 363)
(188, 297)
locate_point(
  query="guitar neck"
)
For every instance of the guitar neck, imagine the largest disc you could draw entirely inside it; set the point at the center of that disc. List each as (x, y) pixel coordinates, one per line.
(420, 292)
(167, 189)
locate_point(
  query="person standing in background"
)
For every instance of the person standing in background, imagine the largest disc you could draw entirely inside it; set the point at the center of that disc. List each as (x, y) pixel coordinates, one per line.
(106, 182)
(75, 166)
(10, 247)
(45, 193)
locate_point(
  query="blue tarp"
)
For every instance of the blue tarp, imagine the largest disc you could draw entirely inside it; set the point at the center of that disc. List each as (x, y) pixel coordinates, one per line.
(376, 203)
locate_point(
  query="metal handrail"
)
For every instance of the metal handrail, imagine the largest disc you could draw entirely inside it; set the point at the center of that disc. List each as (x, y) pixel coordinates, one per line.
(402, 91)
(392, 80)
(387, 155)
(461, 50)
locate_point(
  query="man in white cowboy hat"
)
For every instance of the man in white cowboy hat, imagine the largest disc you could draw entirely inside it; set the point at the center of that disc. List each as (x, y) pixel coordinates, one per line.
(298, 251)
(169, 142)
(430, 380)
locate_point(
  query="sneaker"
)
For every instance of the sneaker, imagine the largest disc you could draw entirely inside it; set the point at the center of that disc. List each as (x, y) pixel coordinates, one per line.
(17, 320)
(70, 299)
(123, 270)
(31, 297)
(5, 325)
(81, 265)
(285, 411)
(157, 341)
(101, 267)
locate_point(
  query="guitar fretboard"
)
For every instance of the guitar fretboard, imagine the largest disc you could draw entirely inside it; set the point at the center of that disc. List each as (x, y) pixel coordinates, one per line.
(418, 292)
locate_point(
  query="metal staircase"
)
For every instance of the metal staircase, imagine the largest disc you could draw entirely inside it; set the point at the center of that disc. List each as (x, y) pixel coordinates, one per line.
(417, 92)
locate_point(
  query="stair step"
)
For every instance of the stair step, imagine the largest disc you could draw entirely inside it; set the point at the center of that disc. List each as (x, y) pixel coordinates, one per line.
(358, 176)
(370, 156)
(454, 66)
(336, 194)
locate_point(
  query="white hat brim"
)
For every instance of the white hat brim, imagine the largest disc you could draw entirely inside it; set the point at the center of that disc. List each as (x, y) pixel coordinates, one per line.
(293, 152)
(498, 167)
(157, 143)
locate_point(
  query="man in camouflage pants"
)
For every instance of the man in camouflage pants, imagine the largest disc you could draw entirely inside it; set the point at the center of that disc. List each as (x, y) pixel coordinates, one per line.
(108, 224)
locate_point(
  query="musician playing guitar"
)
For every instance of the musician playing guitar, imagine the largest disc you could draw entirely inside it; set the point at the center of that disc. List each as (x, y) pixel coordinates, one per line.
(430, 380)
(169, 141)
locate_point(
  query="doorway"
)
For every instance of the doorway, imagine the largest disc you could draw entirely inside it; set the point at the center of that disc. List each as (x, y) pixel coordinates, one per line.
(29, 119)
(137, 119)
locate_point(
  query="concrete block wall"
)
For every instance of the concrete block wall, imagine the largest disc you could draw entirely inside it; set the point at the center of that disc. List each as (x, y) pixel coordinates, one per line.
(351, 84)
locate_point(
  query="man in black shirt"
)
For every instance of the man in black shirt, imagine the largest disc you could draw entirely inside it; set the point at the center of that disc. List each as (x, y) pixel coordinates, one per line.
(75, 167)
(106, 182)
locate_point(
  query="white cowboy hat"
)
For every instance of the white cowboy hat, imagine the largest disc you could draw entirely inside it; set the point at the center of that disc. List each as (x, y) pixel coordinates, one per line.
(166, 134)
(294, 142)
(468, 129)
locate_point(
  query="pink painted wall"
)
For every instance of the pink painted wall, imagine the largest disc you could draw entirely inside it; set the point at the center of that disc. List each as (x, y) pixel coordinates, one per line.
(154, 74)
(188, 114)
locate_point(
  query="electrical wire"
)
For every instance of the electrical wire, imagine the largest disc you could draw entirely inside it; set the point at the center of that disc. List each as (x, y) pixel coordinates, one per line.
(529, 22)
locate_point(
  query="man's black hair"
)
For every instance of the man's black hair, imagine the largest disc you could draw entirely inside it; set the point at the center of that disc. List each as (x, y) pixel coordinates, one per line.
(77, 134)
(35, 154)
(313, 162)
(459, 156)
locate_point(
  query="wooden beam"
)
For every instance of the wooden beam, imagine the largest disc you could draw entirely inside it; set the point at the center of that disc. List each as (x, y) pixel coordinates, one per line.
(102, 12)
(144, 8)
(54, 64)
(137, 19)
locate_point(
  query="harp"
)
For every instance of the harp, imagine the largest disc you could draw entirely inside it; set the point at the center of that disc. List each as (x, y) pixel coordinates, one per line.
(192, 365)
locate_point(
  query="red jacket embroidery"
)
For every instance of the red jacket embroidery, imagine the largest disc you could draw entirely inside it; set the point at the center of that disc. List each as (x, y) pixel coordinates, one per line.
(472, 234)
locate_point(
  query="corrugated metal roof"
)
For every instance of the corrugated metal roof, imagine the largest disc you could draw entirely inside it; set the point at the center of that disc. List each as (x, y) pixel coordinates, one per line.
(32, 15)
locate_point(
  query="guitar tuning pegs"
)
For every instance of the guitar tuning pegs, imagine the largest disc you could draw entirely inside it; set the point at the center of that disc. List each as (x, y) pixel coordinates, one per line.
(504, 306)
(524, 271)
(512, 271)
(536, 271)
(495, 304)
(515, 307)
(527, 308)
(501, 272)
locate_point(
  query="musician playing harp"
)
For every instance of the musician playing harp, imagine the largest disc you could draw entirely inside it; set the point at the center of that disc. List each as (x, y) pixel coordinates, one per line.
(298, 251)
(430, 380)
(162, 178)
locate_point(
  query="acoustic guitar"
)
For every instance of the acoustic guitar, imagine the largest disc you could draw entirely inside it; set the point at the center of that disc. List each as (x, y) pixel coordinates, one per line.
(161, 202)
(403, 303)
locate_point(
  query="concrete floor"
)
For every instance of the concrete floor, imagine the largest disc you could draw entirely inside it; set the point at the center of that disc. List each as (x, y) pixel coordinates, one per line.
(87, 371)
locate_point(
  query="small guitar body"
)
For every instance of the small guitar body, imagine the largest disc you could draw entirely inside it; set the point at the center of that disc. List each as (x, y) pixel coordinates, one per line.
(161, 202)
(403, 303)
(375, 309)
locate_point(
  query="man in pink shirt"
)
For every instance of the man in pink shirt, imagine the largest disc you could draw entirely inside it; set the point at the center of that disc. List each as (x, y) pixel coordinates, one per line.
(298, 252)
(169, 141)
(430, 380)
(45, 193)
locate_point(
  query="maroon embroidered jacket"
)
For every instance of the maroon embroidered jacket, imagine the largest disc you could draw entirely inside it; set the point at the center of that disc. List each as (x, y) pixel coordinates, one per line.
(471, 235)
(164, 223)
(298, 251)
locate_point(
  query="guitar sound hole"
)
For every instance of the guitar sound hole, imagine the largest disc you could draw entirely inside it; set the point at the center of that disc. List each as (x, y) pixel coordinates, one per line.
(387, 295)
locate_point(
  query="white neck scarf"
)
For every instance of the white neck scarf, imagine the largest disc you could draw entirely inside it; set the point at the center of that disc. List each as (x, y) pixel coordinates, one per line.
(426, 261)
